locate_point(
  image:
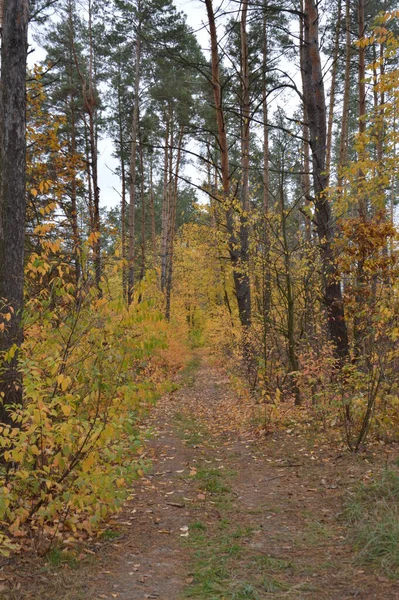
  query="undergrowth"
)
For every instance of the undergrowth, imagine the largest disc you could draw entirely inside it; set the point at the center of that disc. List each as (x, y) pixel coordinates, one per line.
(373, 512)
(91, 366)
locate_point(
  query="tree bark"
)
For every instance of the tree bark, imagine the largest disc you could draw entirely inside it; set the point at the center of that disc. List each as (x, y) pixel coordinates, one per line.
(314, 97)
(172, 224)
(123, 182)
(152, 215)
(241, 279)
(343, 143)
(242, 282)
(133, 152)
(332, 93)
(165, 198)
(74, 211)
(289, 292)
(143, 214)
(90, 109)
(266, 275)
(362, 202)
(90, 104)
(12, 194)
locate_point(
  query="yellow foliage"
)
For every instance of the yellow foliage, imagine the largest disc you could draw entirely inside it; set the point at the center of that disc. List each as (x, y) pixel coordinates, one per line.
(90, 367)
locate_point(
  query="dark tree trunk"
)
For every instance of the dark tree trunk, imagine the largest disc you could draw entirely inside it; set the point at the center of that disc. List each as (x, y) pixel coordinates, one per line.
(74, 208)
(143, 215)
(90, 107)
(133, 151)
(152, 217)
(332, 92)
(343, 143)
(242, 276)
(123, 210)
(166, 195)
(73, 152)
(266, 289)
(12, 193)
(362, 106)
(314, 98)
(172, 224)
(241, 279)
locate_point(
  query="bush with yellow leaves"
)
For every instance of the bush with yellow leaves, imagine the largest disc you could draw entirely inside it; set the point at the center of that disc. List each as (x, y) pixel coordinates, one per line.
(74, 446)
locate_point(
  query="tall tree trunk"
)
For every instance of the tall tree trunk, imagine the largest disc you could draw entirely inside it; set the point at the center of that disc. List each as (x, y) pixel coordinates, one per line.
(358, 321)
(332, 92)
(343, 143)
(90, 102)
(172, 224)
(142, 266)
(165, 199)
(379, 101)
(289, 293)
(123, 221)
(74, 211)
(313, 89)
(12, 194)
(217, 96)
(133, 152)
(392, 196)
(266, 286)
(266, 174)
(241, 280)
(123, 190)
(152, 215)
(362, 201)
(306, 192)
(170, 201)
(90, 105)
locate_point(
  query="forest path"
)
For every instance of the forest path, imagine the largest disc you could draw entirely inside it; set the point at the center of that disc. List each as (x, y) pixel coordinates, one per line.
(225, 515)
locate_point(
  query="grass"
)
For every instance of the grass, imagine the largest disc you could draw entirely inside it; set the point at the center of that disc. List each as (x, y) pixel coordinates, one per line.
(373, 513)
(316, 532)
(56, 557)
(213, 481)
(222, 568)
(190, 370)
(190, 430)
(272, 563)
(213, 552)
(110, 534)
(197, 338)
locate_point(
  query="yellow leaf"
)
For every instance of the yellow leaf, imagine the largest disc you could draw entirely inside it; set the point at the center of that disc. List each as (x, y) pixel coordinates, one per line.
(66, 409)
(88, 463)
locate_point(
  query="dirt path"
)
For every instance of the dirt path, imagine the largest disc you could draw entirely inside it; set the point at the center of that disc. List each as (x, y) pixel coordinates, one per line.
(222, 516)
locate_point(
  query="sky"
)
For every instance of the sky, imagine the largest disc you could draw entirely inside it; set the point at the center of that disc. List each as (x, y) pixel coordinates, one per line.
(109, 182)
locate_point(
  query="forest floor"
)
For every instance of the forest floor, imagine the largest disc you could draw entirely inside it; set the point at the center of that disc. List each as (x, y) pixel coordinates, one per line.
(224, 514)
